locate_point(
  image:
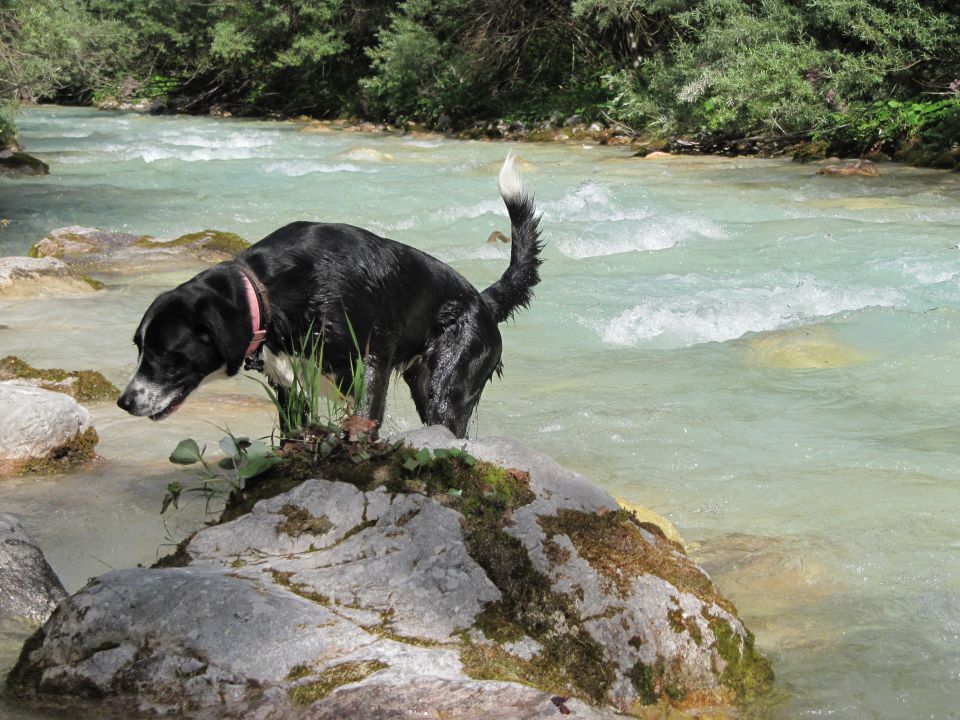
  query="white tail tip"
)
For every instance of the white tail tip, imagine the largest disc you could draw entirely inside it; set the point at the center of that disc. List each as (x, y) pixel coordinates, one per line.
(509, 181)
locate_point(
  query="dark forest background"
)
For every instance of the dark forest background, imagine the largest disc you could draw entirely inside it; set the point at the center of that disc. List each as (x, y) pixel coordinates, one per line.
(860, 74)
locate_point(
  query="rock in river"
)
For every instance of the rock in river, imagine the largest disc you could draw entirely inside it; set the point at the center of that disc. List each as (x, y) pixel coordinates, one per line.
(524, 593)
(29, 589)
(42, 431)
(22, 277)
(95, 250)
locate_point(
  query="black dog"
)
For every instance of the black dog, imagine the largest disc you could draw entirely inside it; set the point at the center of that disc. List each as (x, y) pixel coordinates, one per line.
(408, 311)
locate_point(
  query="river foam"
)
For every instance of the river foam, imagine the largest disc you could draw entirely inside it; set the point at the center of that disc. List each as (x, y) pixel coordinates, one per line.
(727, 313)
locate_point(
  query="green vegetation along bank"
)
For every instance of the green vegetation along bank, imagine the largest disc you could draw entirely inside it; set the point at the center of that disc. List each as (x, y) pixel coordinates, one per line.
(857, 76)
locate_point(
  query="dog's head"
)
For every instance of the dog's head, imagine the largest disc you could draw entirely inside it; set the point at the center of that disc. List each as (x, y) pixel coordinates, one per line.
(185, 335)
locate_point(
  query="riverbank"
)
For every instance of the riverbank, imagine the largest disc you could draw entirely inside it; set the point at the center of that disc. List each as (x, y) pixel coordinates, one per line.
(560, 128)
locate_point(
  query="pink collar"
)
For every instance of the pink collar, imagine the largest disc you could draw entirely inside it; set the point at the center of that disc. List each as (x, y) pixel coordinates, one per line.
(253, 302)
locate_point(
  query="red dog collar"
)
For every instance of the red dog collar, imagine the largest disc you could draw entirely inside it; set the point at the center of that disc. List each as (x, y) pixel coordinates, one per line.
(256, 293)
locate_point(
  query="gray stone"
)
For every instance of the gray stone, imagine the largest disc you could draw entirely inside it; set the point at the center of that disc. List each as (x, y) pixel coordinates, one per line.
(29, 589)
(328, 602)
(22, 277)
(34, 423)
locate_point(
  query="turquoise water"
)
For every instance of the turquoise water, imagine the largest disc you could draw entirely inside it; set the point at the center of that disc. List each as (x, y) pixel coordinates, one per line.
(769, 358)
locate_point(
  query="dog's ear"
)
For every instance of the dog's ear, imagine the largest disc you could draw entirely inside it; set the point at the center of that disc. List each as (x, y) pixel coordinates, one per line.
(228, 330)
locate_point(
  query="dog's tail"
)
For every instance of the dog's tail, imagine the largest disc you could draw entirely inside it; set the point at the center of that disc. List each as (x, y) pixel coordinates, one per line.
(514, 289)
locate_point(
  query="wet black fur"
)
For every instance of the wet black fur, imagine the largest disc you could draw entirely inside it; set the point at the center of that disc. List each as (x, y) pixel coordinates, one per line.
(404, 305)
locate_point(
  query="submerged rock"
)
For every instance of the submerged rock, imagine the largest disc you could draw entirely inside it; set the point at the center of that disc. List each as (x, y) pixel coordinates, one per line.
(22, 277)
(365, 155)
(864, 168)
(803, 348)
(29, 589)
(93, 249)
(42, 431)
(522, 593)
(19, 163)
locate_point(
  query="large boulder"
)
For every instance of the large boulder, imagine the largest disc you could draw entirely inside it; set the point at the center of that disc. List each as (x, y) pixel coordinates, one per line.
(42, 431)
(530, 596)
(29, 589)
(13, 162)
(95, 250)
(22, 277)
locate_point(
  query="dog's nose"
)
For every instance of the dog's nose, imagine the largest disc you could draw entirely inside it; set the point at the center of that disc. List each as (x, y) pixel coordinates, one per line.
(126, 401)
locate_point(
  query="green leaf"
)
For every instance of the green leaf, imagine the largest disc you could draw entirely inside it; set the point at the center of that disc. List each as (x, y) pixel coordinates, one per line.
(257, 466)
(441, 453)
(256, 449)
(228, 446)
(172, 497)
(423, 457)
(187, 452)
(227, 463)
(455, 492)
(469, 460)
(411, 464)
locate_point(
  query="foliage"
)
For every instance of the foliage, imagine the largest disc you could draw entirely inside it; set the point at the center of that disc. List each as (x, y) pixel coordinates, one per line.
(51, 46)
(887, 125)
(313, 400)
(242, 460)
(715, 69)
(8, 122)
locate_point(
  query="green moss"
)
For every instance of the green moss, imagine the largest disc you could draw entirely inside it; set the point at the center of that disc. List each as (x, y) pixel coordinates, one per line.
(65, 457)
(331, 678)
(613, 544)
(680, 622)
(95, 284)
(299, 521)
(747, 672)
(298, 672)
(492, 662)
(642, 677)
(34, 251)
(283, 578)
(219, 241)
(82, 385)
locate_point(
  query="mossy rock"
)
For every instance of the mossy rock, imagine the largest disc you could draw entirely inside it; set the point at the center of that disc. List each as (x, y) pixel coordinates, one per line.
(94, 249)
(481, 564)
(205, 241)
(19, 163)
(81, 385)
(65, 457)
(38, 277)
(813, 150)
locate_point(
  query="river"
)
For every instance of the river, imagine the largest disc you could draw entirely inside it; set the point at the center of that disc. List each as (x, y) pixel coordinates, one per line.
(768, 357)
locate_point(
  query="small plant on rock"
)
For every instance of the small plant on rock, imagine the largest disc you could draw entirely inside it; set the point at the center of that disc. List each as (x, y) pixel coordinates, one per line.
(242, 460)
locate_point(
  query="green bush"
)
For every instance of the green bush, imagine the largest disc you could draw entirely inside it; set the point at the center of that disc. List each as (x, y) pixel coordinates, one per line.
(8, 123)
